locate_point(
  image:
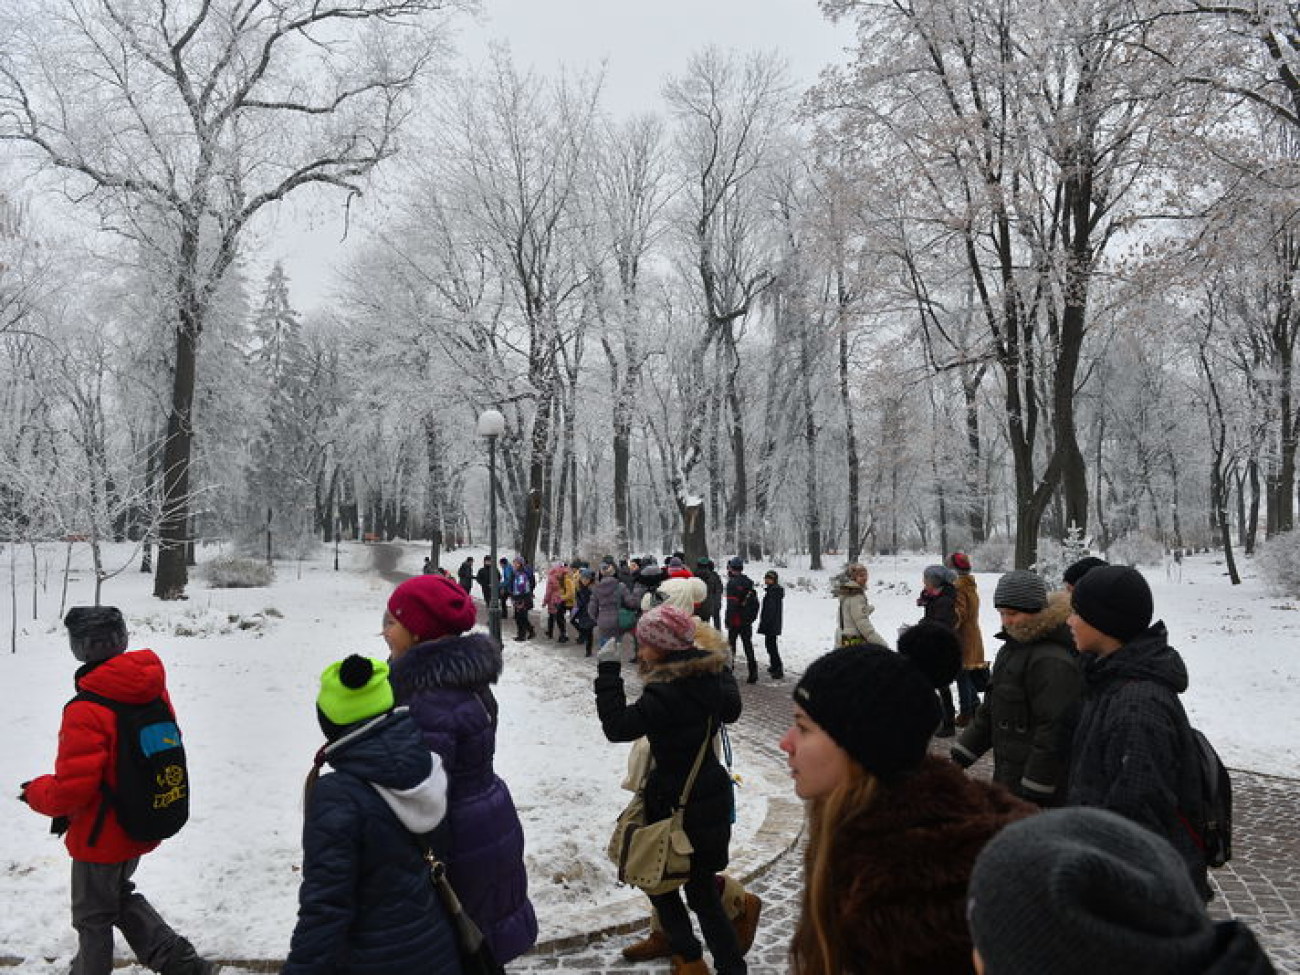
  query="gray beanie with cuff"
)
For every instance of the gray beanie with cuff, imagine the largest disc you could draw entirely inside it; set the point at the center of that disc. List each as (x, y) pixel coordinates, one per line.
(1080, 891)
(1022, 590)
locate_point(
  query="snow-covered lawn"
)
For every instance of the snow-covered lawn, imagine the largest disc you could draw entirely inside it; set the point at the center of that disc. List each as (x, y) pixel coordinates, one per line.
(244, 683)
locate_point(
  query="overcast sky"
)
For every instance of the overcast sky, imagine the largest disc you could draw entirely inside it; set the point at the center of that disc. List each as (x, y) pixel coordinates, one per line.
(640, 43)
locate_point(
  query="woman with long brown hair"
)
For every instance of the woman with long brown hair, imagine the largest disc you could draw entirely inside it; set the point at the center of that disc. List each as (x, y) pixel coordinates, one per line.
(893, 832)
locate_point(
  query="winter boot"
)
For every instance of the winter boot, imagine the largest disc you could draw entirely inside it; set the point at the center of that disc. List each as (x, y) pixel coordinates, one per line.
(653, 945)
(683, 967)
(746, 922)
(184, 960)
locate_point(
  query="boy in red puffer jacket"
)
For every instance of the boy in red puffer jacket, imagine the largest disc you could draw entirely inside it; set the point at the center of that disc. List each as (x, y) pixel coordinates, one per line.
(104, 856)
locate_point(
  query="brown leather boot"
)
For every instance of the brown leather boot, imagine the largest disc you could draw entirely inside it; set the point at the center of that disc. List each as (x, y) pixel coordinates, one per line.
(746, 922)
(653, 945)
(697, 967)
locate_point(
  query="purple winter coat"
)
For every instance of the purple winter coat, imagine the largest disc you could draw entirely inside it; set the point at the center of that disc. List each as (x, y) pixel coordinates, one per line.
(445, 684)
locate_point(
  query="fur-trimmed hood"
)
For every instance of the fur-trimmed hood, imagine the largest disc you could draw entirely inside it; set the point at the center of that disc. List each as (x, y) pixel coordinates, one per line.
(1047, 625)
(708, 656)
(465, 661)
(846, 588)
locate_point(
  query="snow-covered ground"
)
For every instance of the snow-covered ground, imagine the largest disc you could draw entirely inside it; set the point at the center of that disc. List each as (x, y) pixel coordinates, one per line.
(243, 666)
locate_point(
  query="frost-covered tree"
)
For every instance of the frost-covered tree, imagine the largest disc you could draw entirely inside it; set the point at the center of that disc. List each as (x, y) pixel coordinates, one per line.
(180, 124)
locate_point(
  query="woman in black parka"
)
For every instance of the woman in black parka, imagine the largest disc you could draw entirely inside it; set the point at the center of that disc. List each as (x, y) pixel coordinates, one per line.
(688, 693)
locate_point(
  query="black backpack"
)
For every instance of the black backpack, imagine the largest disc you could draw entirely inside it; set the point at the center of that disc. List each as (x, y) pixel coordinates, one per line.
(750, 608)
(1207, 809)
(152, 796)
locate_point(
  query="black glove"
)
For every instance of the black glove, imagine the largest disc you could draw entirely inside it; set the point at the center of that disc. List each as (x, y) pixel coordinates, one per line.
(59, 825)
(22, 791)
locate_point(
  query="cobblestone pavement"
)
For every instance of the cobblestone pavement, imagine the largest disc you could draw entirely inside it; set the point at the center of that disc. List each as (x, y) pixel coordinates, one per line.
(1261, 885)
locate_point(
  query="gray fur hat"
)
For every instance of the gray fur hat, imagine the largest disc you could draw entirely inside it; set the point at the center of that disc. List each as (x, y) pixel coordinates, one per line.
(95, 632)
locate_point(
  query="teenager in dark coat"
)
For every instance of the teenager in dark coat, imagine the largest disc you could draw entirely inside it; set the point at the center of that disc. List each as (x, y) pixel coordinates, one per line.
(711, 609)
(1132, 743)
(1036, 686)
(770, 618)
(367, 905)
(938, 602)
(688, 693)
(443, 674)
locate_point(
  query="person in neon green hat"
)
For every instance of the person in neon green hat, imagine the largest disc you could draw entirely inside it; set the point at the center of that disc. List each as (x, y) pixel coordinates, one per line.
(366, 894)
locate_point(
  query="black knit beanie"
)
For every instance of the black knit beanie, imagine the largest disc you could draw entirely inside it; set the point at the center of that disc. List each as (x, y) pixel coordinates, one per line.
(877, 705)
(934, 648)
(1115, 599)
(1078, 570)
(1022, 590)
(1081, 891)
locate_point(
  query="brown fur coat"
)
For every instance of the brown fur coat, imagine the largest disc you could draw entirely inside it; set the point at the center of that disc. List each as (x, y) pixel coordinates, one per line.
(902, 866)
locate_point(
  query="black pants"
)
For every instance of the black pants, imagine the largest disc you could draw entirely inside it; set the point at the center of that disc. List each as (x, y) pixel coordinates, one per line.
(705, 902)
(746, 635)
(588, 635)
(103, 898)
(773, 655)
(523, 625)
(555, 618)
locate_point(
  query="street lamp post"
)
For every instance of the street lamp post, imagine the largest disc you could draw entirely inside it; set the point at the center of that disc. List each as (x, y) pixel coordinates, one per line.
(492, 424)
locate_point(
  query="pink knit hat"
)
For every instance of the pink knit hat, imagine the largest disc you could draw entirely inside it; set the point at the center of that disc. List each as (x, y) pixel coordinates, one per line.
(432, 606)
(666, 629)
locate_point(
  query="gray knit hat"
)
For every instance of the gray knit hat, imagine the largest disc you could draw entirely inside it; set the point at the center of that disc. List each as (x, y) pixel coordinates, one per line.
(95, 633)
(1022, 590)
(1085, 891)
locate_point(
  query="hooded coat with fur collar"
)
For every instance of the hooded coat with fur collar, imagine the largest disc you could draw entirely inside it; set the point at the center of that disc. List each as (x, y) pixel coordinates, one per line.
(854, 619)
(1035, 691)
(900, 870)
(445, 684)
(685, 698)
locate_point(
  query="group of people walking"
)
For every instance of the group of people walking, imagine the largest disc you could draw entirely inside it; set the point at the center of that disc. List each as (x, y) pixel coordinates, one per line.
(911, 866)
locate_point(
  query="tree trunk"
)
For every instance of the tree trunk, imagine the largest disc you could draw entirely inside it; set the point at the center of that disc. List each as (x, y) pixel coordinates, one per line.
(538, 465)
(854, 541)
(812, 505)
(172, 574)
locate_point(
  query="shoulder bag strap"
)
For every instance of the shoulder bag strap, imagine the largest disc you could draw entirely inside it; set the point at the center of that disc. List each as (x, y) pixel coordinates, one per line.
(695, 769)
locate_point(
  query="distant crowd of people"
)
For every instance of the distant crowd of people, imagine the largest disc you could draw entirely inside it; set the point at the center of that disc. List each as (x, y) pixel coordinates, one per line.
(1077, 856)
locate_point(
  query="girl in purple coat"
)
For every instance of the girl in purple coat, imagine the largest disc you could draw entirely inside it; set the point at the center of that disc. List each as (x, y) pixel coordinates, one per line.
(442, 673)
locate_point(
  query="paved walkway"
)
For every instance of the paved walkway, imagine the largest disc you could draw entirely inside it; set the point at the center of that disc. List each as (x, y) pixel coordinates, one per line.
(1261, 885)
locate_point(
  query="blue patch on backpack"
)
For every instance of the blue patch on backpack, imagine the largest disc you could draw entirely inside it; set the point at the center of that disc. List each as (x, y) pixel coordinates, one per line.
(159, 737)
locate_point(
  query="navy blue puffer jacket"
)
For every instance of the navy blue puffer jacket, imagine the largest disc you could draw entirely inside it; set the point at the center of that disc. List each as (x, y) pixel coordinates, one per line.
(367, 905)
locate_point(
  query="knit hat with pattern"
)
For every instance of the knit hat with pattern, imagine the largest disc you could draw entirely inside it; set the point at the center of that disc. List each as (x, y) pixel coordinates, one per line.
(1022, 590)
(432, 607)
(1080, 891)
(877, 705)
(665, 629)
(1115, 599)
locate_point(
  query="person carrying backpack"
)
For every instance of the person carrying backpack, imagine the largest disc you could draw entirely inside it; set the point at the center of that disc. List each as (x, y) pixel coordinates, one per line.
(1133, 748)
(121, 700)
(742, 609)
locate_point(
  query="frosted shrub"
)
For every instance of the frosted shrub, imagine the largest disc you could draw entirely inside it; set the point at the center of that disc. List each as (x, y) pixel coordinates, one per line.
(238, 574)
(1135, 548)
(995, 555)
(1279, 563)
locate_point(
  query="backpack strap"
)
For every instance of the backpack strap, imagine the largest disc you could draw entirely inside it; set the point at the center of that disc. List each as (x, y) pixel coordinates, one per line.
(105, 792)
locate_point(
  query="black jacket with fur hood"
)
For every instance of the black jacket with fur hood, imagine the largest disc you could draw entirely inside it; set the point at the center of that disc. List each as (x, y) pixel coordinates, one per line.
(686, 696)
(1033, 698)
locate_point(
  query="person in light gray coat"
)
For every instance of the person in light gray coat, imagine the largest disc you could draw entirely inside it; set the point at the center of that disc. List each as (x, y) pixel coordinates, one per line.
(608, 596)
